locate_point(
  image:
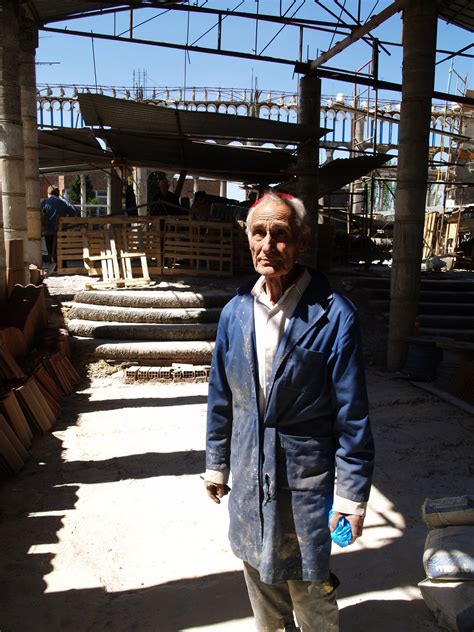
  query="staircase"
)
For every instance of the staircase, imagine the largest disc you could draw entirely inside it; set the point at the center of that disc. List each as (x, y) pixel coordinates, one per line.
(446, 306)
(152, 325)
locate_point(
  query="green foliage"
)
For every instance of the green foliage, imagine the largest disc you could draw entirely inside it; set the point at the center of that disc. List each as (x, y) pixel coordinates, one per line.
(74, 191)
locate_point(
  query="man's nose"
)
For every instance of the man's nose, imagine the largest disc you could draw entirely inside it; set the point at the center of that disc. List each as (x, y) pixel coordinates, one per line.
(267, 242)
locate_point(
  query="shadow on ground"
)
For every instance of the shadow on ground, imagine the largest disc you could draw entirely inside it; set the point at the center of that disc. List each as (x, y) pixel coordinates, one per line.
(424, 450)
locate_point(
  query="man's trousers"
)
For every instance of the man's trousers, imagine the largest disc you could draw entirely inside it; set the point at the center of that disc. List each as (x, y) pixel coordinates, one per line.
(314, 604)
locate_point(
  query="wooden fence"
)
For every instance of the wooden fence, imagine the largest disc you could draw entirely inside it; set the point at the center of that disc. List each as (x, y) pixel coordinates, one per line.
(117, 246)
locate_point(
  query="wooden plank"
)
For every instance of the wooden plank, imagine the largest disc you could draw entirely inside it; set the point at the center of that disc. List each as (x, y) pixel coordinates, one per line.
(11, 409)
(13, 438)
(9, 368)
(44, 378)
(36, 416)
(11, 457)
(38, 395)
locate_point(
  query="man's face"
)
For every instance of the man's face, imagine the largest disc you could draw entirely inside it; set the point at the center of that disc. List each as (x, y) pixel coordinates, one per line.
(274, 243)
(163, 184)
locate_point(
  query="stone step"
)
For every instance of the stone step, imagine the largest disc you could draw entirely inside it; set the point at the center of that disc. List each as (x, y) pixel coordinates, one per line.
(376, 294)
(461, 309)
(131, 315)
(442, 284)
(155, 298)
(196, 352)
(142, 331)
(447, 321)
(455, 334)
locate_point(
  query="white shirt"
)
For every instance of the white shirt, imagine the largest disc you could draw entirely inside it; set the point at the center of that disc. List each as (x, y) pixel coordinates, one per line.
(271, 322)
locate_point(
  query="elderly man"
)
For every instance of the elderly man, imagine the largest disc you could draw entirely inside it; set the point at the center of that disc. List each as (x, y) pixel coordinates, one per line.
(287, 409)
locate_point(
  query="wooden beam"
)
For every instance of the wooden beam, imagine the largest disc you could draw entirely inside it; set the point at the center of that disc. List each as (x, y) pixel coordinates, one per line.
(358, 33)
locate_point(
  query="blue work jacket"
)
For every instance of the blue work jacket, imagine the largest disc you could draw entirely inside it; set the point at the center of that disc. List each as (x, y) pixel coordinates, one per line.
(315, 422)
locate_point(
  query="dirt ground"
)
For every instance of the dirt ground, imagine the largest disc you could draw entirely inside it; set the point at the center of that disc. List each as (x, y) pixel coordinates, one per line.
(107, 528)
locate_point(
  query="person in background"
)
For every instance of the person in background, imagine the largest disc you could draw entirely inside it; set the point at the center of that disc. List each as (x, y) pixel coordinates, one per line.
(52, 208)
(287, 409)
(201, 208)
(166, 202)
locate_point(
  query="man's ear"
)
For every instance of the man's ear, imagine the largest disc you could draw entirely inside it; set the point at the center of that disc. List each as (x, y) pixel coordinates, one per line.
(303, 241)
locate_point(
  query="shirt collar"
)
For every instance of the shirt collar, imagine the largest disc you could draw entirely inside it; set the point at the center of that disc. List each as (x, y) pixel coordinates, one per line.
(300, 285)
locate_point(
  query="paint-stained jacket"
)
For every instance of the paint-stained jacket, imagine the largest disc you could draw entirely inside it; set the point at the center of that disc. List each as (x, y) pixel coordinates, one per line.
(315, 420)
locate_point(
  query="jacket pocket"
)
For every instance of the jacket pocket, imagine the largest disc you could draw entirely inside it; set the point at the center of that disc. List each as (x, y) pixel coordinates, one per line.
(304, 463)
(305, 370)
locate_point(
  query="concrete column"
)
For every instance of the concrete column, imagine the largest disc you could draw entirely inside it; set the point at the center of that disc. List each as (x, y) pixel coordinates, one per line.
(419, 45)
(223, 188)
(3, 256)
(308, 114)
(140, 184)
(11, 137)
(358, 187)
(114, 192)
(83, 195)
(28, 45)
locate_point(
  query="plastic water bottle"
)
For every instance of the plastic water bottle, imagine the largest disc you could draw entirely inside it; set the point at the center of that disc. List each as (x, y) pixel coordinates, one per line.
(342, 534)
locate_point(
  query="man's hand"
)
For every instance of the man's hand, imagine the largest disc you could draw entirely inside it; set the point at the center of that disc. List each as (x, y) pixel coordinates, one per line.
(216, 491)
(357, 524)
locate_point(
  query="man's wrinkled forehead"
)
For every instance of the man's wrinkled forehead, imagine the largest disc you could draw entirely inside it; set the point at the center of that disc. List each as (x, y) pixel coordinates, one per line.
(277, 214)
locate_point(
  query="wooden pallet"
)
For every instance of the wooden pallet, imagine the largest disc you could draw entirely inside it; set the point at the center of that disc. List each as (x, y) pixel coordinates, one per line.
(198, 248)
(161, 245)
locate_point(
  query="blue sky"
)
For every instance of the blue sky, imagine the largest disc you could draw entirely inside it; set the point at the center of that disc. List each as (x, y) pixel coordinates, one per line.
(115, 62)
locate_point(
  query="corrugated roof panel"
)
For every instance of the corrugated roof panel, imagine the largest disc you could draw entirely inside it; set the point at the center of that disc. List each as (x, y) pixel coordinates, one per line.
(238, 163)
(70, 147)
(459, 12)
(120, 114)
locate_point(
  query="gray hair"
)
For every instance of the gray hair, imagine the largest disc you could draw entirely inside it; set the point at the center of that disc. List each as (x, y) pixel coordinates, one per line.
(299, 213)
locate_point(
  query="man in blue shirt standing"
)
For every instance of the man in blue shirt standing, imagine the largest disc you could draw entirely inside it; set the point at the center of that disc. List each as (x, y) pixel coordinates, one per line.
(52, 208)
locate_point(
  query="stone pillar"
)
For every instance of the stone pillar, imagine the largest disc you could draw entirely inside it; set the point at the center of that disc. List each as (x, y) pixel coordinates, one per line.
(195, 184)
(140, 184)
(28, 45)
(11, 129)
(308, 114)
(3, 256)
(223, 188)
(358, 187)
(419, 46)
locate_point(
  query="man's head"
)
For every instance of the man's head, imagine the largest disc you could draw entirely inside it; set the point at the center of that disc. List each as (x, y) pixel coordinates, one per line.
(52, 190)
(163, 184)
(277, 231)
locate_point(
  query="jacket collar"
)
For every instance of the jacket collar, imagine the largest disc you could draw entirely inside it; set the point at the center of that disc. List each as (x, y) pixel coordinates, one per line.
(311, 308)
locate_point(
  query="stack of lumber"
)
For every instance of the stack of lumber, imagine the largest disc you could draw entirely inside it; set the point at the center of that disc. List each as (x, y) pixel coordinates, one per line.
(31, 404)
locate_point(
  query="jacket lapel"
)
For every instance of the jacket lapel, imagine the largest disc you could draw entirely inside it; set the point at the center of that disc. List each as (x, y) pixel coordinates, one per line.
(247, 324)
(310, 310)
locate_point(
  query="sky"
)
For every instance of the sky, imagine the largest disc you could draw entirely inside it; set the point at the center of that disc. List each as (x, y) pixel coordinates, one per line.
(115, 63)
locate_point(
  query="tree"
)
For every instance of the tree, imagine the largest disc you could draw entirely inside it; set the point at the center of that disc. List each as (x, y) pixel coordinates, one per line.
(74, 191)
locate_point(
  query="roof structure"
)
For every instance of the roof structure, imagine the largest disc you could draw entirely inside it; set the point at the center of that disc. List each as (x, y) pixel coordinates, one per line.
(123, 115)
(68, 149)
(459, 12)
